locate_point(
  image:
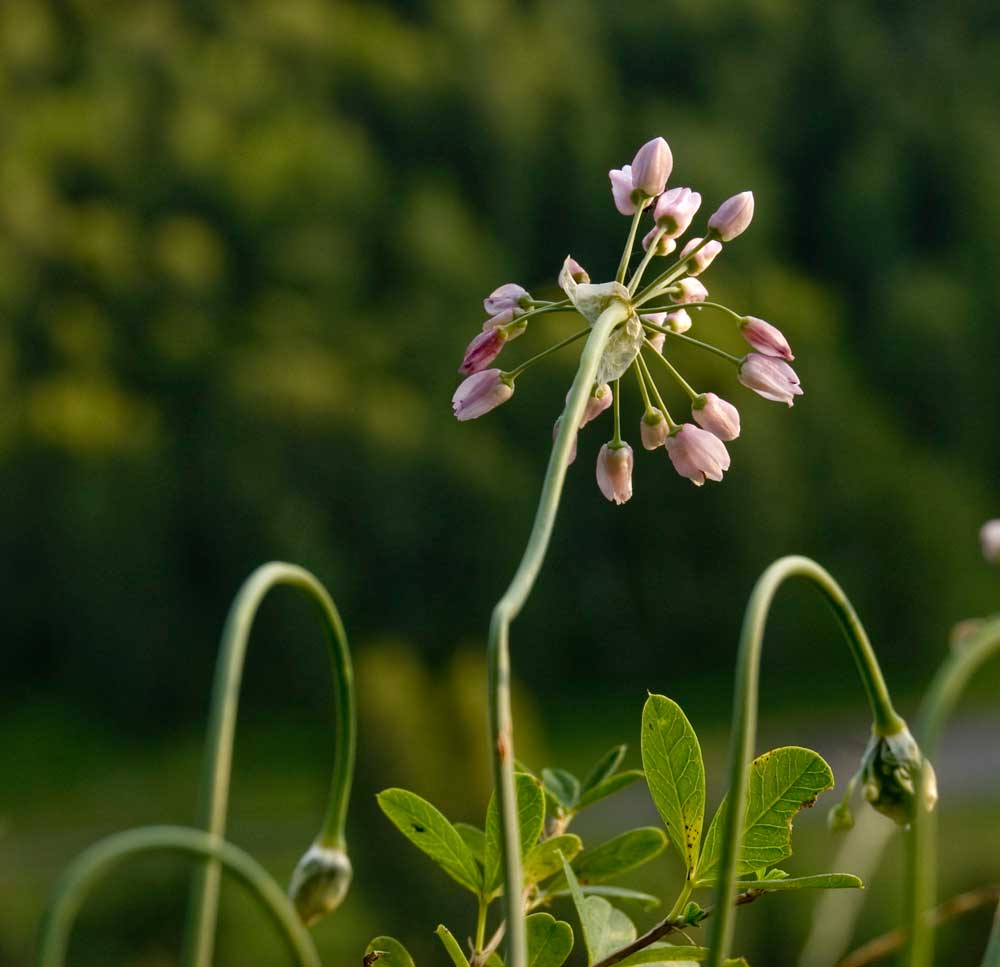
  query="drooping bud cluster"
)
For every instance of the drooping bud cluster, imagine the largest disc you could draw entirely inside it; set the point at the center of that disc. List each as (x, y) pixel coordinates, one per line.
(658, 317)
(320, 882)
(893, 770)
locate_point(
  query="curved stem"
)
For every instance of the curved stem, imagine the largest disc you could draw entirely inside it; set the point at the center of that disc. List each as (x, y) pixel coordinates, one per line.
(203, 910)
(93, 864)
(943, 693)
(509, 606)
(673, 307)
(684, 384)
(694, 342)
(514, 373)
(744, 727)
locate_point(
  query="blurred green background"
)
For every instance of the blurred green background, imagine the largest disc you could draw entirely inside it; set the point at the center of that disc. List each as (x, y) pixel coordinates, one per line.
(242, 248)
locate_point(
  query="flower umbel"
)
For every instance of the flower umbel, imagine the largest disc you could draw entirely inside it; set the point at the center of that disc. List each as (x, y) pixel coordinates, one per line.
(656, 317)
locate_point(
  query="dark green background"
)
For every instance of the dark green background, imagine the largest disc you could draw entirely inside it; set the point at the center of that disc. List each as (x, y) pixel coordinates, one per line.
(242, 248)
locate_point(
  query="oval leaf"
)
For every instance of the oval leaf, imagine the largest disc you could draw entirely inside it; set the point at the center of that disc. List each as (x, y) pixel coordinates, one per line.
(624, 852)
(605, 928)
(608, 787)
(387, 952)
(780, 784)
(605, 767)
(550, 941)
(675, 774)
(818, 881)
(458, 958)
(424, 826)
(474, 838)
(545, 858)
(563, 786)
(531, 820)
(647, 900)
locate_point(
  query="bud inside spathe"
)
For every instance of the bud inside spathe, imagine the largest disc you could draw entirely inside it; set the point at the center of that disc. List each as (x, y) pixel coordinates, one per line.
(320, 882)
(893, 771)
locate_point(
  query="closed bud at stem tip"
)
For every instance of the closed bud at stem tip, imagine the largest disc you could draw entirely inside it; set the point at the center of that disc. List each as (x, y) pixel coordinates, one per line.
(320, 882)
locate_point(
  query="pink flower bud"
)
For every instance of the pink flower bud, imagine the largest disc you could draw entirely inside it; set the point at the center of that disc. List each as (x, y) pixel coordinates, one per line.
(714, 414)
(623, 191)
(697, 454)
(480, 393)
(653, 428)
(765, 338)
(555, 433)
(576, 271)
(678, 321)
(733, 216)
(989, 538)
(598, 401)
(769, 377)
(651, 167)
(675, 209)
(500, 319)
(656, 341)
(614, 472)
(703, 258)
(482, 351)
(509, 296)
(687, 291)
(664, 246)
(657, 319)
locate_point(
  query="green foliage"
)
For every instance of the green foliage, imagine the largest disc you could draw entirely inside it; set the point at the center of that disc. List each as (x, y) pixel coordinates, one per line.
(455, 952)
(424, 826)
(646, 900)
(604, 768)
(818, 881)
(474, 838)
(619, 855)
(550, 941)
(609, 786)
(675, 773)
(779, 785)
(563, 786)
(605, 928)
(546, 858)
(531, 821)
(391, 953)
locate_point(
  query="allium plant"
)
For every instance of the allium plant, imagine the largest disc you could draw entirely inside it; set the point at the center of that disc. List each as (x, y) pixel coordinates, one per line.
(523, 860)
(639, 332)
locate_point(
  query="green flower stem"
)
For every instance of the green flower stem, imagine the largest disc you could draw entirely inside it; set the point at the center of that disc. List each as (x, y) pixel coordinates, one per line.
(617, 403)
(744, 726)
(737, 360)
(642, 383)
(509, 606)
(629, 244)
(669, 275)
(673, 307)
(514, 373)
(646, 259)
(481, 924)
(97, 861)
(203, 910)
(942, 695)
(685, 385)
(656, 392)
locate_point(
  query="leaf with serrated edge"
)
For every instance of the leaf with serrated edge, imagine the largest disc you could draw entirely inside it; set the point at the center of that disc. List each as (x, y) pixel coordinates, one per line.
(605, 767)
(545, 858)
(780, 783)
(458, 958)
(474, 838)
(605, 928)
(609, 787)
(563, 786)
(550, 941)
(675, 774)
(391, 952)
(619, 855)
(425, 826)
(531, 820)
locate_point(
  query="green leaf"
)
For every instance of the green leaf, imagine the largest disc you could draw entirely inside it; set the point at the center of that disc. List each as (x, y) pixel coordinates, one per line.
(550, 941)
(605, 767)
(545, 858)
(605, 928)
(609, 787)
(424, 826)
(563, 786)
(675, 774)
(494, 960)
(624, 852)
(818, 881)
(391, 953)
(474, 838)
(458, 958)
(781, 783)
(531, 820)
(665, 953)
(648, 901)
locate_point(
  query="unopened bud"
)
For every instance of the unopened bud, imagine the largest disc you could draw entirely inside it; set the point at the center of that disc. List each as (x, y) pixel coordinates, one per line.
(679, 321)
(480, 393)
(651, 167)
(599, 400)
(989, 539)
(614, 472)
(675, 209)
(840, 818)
(765, 338)
(653, 429)
(664, 245)
(716, 415)
(895, 774)
(319, 883)
(509, 296)
(733, 216)
(703, 258)
(687, 291)
(576, 271)
(623, 191)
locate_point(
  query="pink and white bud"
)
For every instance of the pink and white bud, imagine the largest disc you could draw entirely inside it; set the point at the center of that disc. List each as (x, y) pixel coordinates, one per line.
(657, 338)
(508, 296)
(555, 433)
(733, 216)
(651, 167)
(500, 319)
(765, 338)
(664, 245)
(653, 428)
(678, 321)
(675, 209)
(623, 191)
(576, 271)
(770, 377)
(703, 258)
(714, 414)
(487, 345)
(480, 393)
(656, 341)
(989, 539)
(614, 472)
(598, 401)
(697, 454)
(687, 291)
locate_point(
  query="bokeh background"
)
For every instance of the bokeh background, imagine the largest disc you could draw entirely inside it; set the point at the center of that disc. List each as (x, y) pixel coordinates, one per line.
(242, 248)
